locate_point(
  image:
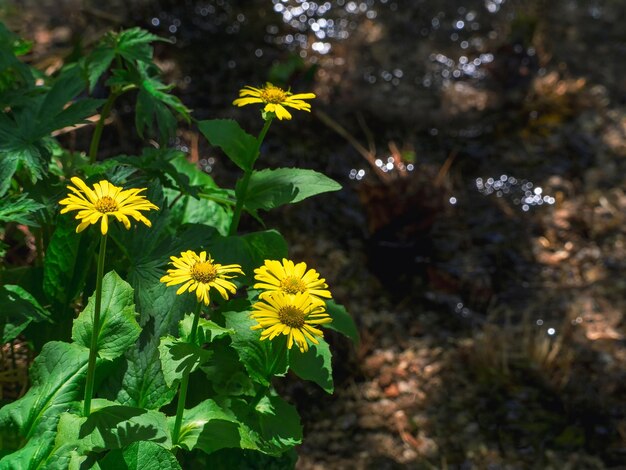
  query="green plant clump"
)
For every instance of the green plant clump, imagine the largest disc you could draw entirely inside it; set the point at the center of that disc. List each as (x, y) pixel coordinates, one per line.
(140, 364)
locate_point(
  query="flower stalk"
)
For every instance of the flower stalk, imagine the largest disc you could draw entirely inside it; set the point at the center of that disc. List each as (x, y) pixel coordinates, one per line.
(184, 383)
(245, 180)
(97, 133)
(93, 348)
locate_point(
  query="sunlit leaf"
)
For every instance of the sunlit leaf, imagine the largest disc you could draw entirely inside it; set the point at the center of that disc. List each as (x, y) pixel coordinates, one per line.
(179, 357)
(57, 378)
(118, 327)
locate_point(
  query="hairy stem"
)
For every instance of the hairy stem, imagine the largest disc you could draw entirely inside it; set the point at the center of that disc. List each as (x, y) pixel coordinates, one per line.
(93, 348)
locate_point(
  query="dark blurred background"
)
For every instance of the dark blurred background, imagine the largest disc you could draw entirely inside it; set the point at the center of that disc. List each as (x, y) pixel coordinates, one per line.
(479, 240)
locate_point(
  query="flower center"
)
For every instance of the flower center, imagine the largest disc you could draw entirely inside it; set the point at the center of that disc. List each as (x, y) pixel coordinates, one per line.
(291, 316)
(106, 204)
(273, 95)
(292, 285)
(203, 272)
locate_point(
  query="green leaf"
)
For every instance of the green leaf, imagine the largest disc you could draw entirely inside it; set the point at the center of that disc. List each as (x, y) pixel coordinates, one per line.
(207, 330)
(57, 377)
(118, 328)
(177, 357)
(274, 428)
(342, 321)
(226, 373)
(35, 452)
(138, 381)
(262, 359)
(249, 250)
(155, 105)
(237, 144)
(66, 262)
(98, 62)
(8, 166)
(214, 208)
(25, 130)
(269, 189)
(116, 426)
(314, 365)
(140, 456)
(19, 209)
(17, 310)
(134, 44)
(159, 304)
(208, 427)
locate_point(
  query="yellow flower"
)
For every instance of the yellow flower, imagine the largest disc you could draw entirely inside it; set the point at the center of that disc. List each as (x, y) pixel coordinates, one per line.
(103, 201)
(291, 315)
(201, 273)
(275, 99)
(290, 278)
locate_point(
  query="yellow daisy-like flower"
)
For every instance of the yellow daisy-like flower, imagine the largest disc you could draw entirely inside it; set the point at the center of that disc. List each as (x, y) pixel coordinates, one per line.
(103, 201)
(291, 315)
(200, 273)
(275, 99)
(290, 278)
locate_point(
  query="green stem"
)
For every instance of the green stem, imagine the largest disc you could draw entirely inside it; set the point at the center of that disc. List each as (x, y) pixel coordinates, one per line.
(97, 133)
(182, 391)
(245, 180)
(93, 349)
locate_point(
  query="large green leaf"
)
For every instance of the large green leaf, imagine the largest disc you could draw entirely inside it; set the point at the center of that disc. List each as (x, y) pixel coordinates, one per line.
(342, 321)
(140, 456)
(57, 377)
(179, 357)
(226, 373)
(237, 144)
(118, 327)
(109, 427)
(66, 262)
(117, 426)
(314, 365)
(17, 310)
(208, 427)
(272, 427)
(262, 359)
(269, 189)
(138, 379)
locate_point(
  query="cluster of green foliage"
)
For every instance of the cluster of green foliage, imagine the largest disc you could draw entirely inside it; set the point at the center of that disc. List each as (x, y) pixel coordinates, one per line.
(234, 417)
